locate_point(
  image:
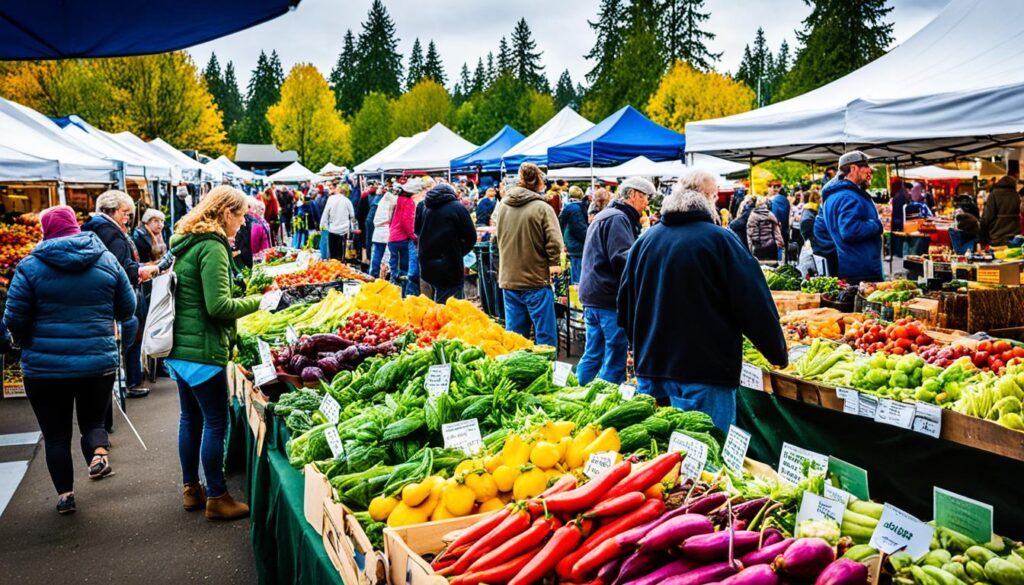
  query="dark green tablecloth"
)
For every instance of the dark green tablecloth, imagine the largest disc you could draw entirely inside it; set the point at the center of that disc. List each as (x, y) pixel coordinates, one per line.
(286, 548)
(902, 466)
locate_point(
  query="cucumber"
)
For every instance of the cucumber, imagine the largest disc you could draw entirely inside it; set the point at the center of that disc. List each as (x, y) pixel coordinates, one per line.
(1003, 572)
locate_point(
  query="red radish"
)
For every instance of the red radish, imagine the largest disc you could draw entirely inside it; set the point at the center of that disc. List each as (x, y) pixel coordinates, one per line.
(562, 541)
(715, 546)
(616, 506)
(806, 558)
(757, 575)
(567, 567)
(524, 541)
(476, 531)
(587, 495)
(675, 531)
(705, 574)
(843, 572)
(766, 554)
(648, 475)
(496, 574)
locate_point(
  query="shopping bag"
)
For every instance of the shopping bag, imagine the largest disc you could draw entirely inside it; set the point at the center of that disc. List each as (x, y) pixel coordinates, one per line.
(158, 336)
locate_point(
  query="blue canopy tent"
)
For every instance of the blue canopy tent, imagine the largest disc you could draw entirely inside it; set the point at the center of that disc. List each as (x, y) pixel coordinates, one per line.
(58, 29)
(487, 158)
(623, 136)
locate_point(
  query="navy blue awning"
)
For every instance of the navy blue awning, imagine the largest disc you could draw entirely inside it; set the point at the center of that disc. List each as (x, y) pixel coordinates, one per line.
(62, 29)
(488, 157)
(623, 136)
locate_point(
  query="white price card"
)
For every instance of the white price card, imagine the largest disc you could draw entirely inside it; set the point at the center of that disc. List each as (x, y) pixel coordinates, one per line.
(264, 374)
(929, 269)
(751, 377)
(895, 413)
(270, 300)
(898, 530)
(279, 269)
(836, 495)
(351, 288)
(815, 507)
(560, 375)
(330, 408)
(464, 435)
(302, 260)
(438, 379)
(851, 400)
(265, 356)
(798, 351)
(333, 441)
(867, 405)
(599, 463)
(627, 391)
(735, 449)
(793, 459)
(291, 335)
(696, 453)
(928, 419)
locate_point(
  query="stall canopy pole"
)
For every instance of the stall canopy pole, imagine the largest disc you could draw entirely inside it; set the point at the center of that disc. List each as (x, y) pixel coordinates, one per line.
(750, 174)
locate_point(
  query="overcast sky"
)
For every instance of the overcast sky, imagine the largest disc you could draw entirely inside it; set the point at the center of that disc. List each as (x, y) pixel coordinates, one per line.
(465, 30)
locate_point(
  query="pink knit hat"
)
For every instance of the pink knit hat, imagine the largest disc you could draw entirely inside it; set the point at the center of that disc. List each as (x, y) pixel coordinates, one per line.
(58, 222)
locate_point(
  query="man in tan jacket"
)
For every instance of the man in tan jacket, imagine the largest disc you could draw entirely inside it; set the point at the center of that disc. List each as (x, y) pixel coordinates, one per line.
(530, 248)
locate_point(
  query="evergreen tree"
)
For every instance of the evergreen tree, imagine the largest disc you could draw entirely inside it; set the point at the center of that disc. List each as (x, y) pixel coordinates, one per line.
(414, 72)
(232, 107)
(757, 69)
(608, 32)
(214, 80)
(565, 92)
(683, 33)
(839, 36)
(379, 63)
(504, 57)
(432, 66)
(264, 91)
(782, 60)
(464, 87)
(526, 65)
(343, 77)
(492, 73)
(479, 78)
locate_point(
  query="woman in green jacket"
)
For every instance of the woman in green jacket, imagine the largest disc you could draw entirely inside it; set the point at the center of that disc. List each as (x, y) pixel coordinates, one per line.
(204, 323)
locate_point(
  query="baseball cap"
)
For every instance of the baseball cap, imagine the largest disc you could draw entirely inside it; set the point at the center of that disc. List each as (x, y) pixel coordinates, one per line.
(853, 157)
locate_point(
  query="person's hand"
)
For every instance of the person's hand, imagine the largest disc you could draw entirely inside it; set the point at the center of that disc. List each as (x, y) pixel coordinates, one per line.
(147, 272)
(555, 270)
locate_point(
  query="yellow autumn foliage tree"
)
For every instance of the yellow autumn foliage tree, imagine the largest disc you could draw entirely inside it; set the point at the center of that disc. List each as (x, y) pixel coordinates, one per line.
(305, 120)
(687, 95)
(418, 109)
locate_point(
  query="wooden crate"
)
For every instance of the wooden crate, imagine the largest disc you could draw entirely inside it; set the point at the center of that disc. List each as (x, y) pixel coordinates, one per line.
(315, 490)
(348, 547)
(406, 546)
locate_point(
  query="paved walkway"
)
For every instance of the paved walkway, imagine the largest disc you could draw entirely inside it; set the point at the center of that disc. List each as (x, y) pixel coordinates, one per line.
(129, 528)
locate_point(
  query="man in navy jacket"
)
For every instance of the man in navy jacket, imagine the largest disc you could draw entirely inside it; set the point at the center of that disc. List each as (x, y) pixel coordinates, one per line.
(851, 222)
(689, 294)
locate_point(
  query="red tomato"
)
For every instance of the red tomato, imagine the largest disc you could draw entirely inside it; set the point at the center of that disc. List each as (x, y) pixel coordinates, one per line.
(981, 358)
(1001, 346)
(898, 332)
(998, 365)
(913, 331)
(985, 346)
(898, 351)
(904, 343)
(1018, 352)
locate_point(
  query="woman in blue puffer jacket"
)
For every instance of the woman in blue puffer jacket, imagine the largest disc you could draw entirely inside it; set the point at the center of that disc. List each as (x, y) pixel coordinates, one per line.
(61, 307)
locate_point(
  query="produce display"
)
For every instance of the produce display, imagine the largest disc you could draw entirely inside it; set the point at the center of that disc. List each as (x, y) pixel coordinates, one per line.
(894, 291)
(277, 255)
(320, 271)
(16, 242)
(784, 277)
(822, 284)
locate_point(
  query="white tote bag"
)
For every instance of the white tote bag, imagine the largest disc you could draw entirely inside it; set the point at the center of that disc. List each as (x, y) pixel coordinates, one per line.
(158, 336)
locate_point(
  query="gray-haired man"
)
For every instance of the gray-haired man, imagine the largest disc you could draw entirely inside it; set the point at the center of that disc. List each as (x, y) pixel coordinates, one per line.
(605, 249)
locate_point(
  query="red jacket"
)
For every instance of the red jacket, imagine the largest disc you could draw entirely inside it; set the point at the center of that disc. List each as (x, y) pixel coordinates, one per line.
(273, 207)
(403, 221)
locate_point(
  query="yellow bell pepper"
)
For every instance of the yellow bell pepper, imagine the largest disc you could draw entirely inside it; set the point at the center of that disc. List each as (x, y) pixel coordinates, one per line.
(574, 454)
(530, 483)
(608, 440)
(458, 498)
(544, 455)
(504, 477)
(381, 507)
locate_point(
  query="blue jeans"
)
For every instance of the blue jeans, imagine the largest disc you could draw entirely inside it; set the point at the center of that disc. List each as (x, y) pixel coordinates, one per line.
(201, 431)
(959, 243)
(719, 402)
(398, 264)
(443, 294)
(325, 246)
(605, 353)
(536, 306)
(412, 286)
(376, 257)
(132, 353)
(575, 269)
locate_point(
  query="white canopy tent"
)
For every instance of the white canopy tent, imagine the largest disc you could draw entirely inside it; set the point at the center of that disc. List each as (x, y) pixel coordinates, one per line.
(333, 168)
(178, 158)
(932, 173)
(642, 166)
(564, 125)
(104, 145)
(427, 151)
(294, 173)
(955, 89)
(371, 166)
(236, 171)
(35, 149)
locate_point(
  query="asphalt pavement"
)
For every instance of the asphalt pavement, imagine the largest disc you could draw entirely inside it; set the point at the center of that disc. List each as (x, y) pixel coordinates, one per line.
(130, 527)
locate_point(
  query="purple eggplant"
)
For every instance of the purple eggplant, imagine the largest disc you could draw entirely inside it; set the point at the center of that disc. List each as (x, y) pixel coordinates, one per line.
(715, 546)
(706, 503)
(705, 574)
(676, 530)
(663, 572)
(771, 536)
(637, 565)
(843, 572)
(747, 510)
(312, 374)
(766, 554)
(608, 571)
(756, 575)
(806, 558)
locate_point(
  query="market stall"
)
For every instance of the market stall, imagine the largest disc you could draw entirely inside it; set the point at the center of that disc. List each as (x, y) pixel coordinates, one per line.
(486, 158)
(534, 148)
(621, 137)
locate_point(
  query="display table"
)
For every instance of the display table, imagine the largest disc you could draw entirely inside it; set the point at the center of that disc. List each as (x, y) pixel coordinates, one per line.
(902, 466)
(286, 548)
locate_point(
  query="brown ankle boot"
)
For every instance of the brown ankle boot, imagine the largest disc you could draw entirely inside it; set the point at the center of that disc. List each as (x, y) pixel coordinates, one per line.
(225, 507)
(194, 497)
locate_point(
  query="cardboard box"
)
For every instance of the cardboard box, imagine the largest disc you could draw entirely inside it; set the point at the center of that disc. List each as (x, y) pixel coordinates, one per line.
(348, 547)
(317, 488)
(406, 546)
(1002, 273)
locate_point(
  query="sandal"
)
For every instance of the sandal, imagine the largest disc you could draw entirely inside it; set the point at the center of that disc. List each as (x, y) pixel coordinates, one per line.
(100, 467)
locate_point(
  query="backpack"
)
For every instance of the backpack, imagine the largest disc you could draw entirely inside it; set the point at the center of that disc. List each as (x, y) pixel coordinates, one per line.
(158, 336)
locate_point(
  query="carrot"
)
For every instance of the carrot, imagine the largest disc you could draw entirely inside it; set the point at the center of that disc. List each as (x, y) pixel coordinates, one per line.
(562, 542)
(513, 525)
(648, 511)
(475, 532)
(499, 574)
(532, 537)
(616, 506)
(586, 496)
(651, 474)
